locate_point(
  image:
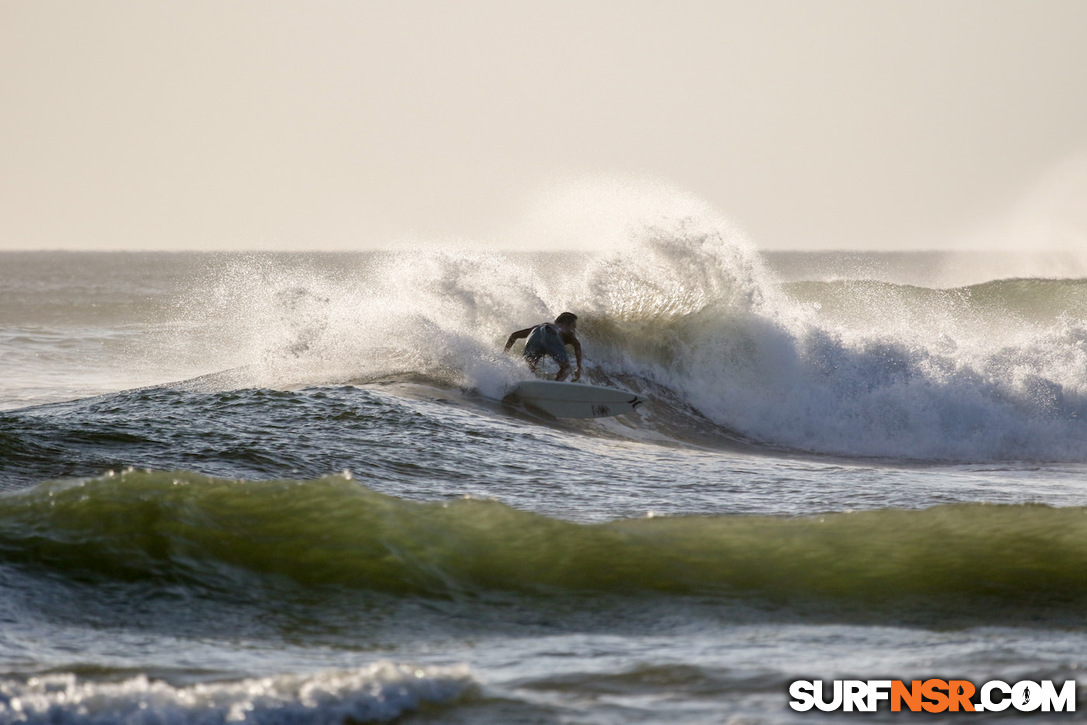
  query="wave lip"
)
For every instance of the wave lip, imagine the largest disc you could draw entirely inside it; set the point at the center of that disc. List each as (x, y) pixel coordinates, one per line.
(381, 692)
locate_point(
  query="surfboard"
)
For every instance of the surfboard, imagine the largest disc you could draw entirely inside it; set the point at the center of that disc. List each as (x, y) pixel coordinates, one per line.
(576, 400)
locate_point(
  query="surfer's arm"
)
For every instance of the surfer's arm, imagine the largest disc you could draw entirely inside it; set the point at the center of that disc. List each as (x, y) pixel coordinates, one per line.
(517, 336)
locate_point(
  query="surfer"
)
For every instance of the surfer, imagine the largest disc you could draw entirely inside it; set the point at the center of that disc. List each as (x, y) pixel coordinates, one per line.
(550, 339)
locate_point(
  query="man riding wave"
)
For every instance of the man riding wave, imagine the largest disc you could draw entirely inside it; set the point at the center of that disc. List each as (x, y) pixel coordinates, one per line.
(549, 339)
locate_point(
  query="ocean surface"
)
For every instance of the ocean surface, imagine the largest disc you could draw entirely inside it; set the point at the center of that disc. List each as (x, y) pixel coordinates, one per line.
(290, 488)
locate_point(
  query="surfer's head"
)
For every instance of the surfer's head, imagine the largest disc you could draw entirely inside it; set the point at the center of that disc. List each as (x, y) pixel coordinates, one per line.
(566, 318)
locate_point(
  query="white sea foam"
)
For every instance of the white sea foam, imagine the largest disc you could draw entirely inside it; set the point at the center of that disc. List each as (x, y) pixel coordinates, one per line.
(378, 693)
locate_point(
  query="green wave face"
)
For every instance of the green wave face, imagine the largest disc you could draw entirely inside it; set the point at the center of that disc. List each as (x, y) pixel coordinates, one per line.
(174, 527)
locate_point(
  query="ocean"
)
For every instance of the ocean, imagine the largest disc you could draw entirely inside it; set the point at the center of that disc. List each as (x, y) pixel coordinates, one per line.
(290, 488)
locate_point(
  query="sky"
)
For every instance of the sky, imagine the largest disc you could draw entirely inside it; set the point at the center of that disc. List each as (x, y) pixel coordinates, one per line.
(810, 124)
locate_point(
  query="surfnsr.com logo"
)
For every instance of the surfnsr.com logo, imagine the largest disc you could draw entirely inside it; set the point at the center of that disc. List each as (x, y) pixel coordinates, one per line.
(932, 696)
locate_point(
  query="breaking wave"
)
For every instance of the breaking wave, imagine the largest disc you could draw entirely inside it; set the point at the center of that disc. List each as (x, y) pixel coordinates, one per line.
(688, 313)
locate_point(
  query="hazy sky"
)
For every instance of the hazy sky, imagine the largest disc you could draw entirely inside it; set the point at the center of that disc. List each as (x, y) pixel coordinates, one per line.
(345, 125)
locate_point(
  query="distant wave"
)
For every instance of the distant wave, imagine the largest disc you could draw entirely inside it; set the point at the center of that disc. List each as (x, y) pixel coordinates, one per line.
(1022, 301)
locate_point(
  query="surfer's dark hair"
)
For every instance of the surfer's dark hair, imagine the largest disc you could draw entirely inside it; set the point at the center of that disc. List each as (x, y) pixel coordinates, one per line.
(565, 317)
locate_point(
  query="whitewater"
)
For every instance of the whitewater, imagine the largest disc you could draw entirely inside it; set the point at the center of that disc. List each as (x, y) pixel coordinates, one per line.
(290, 487)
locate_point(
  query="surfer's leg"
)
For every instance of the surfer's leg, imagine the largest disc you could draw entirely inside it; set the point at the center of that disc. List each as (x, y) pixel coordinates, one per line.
(534, 349)
(564, 370)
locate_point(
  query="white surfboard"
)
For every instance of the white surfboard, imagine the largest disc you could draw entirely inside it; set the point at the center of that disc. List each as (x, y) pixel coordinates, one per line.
(576, 400)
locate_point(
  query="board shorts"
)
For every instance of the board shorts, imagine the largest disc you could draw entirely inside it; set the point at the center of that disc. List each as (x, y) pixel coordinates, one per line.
(546, 340)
